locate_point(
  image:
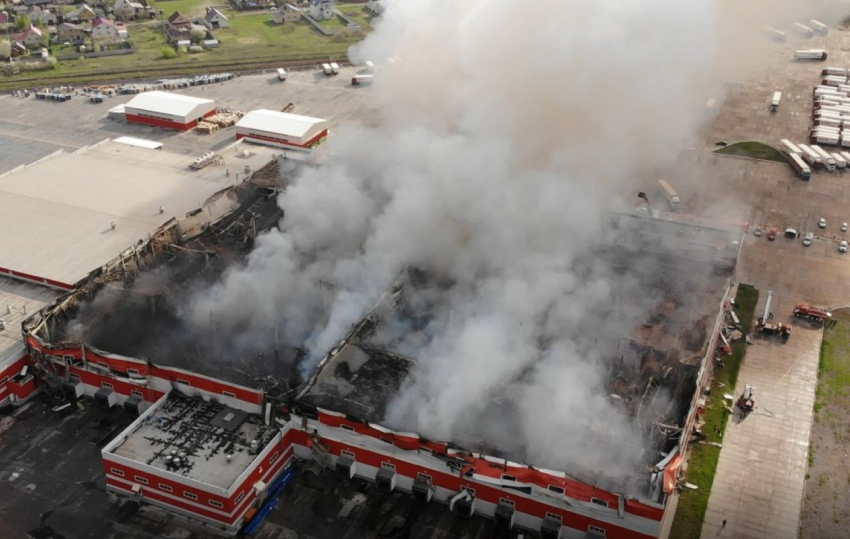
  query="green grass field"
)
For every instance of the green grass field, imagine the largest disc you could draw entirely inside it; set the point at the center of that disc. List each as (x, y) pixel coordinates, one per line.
(251, 39)
(834, 367)
(687, 523)
(754, 150)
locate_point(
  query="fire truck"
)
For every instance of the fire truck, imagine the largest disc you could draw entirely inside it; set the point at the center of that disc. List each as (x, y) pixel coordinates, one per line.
(764, 324)
(815, 314)
(769, 328)
(747, 402)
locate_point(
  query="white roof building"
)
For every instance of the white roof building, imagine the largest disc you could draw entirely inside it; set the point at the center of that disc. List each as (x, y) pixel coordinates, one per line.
(56, 216)
(282, 129)
(180, 111)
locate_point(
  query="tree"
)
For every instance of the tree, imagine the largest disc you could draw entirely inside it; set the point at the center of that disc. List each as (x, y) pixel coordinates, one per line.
(22, 23)
(198, 35)
(39, 23)
(5, 49)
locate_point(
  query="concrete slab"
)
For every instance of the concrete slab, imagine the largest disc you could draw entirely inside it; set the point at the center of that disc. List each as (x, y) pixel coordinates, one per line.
(753, 492)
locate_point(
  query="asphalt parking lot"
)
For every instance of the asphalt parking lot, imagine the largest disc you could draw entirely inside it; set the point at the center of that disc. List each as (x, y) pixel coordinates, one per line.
(30, 129)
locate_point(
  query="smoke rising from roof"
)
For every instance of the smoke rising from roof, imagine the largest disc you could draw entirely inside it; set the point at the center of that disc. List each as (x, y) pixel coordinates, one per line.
(506, 132)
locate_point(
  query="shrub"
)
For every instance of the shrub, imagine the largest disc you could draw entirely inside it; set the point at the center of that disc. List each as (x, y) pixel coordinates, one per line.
(168, 53)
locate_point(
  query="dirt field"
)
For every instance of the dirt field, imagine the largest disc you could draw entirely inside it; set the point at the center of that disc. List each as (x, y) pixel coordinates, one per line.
(826, 506)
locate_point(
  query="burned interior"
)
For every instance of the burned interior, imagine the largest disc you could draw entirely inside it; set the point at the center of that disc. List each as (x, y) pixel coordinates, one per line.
(135, 308)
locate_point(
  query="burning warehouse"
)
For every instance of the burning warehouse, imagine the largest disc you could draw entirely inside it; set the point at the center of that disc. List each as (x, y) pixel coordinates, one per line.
(338, 414)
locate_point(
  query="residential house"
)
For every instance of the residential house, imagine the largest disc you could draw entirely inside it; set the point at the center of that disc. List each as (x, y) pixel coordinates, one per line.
(374, 7)
(82, 14)
(108, 30)
(37, 14)
(215, 19)
(36, 2)
(322, 9)
(128, 10)
(244, 5)
(4, 17)
(287, 13)
(32, 37)
(177, 22)
(69, 32)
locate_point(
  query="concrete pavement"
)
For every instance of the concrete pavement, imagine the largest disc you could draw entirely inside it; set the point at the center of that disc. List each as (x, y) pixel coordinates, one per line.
(760, 477)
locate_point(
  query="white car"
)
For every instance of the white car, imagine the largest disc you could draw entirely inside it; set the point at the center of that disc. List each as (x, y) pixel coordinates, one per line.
(842, 247)
(844, 227)
(757, 232)
(822, 223)
(808, 239)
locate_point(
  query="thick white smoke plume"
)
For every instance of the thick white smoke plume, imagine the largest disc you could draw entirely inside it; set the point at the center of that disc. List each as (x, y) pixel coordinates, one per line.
(506, 131)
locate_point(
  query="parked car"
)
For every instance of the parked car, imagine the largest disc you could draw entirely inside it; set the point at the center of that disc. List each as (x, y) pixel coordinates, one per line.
(844, 227)
(791, 233)
(822, 223)
(808, 239)
(771, 235)
(842, 247)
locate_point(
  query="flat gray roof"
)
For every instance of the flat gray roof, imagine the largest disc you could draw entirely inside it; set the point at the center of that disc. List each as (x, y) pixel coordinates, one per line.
(56, 215)
(202, 433)
(18, 301)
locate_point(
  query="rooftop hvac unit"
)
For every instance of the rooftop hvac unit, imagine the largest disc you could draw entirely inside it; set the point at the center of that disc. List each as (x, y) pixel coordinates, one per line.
(422, 490)
(385, 479)
(105, 398)
(135, 406)
(73, 390)
(504, 517)
(346, 467)
(550, 529)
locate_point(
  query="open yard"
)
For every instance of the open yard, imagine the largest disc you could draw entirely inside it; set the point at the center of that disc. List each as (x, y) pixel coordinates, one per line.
(252, 41)
(826, 506)
(703, 461)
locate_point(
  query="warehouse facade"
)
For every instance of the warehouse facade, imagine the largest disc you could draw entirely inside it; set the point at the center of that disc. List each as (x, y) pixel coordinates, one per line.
(289, 131)
(169, 110)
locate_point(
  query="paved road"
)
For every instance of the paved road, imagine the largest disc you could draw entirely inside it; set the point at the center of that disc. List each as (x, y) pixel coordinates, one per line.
(760, 478)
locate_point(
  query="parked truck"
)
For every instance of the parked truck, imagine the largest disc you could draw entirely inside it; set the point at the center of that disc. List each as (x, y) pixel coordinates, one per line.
(819, 27)
(811, 157)
(774, 34)
(774, 103)
(281, 74)
(669, 194)
(803, 30)
(358, 79)
(747, 400)
(815, 314)
(826, 158)
(789, 147)
(811, 54)
(800, 167)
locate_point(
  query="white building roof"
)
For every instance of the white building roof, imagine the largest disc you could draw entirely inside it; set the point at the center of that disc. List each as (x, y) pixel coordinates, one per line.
(281, 123)
(167, 103)
(18, 301)
(56, 215)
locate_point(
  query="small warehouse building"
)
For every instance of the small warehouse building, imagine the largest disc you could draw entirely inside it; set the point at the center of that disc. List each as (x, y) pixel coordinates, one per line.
(283, 130)
(166, 109)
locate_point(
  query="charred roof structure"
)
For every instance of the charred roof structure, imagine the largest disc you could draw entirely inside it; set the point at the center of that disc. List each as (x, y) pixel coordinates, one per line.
(133, 309)
(653, 372)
